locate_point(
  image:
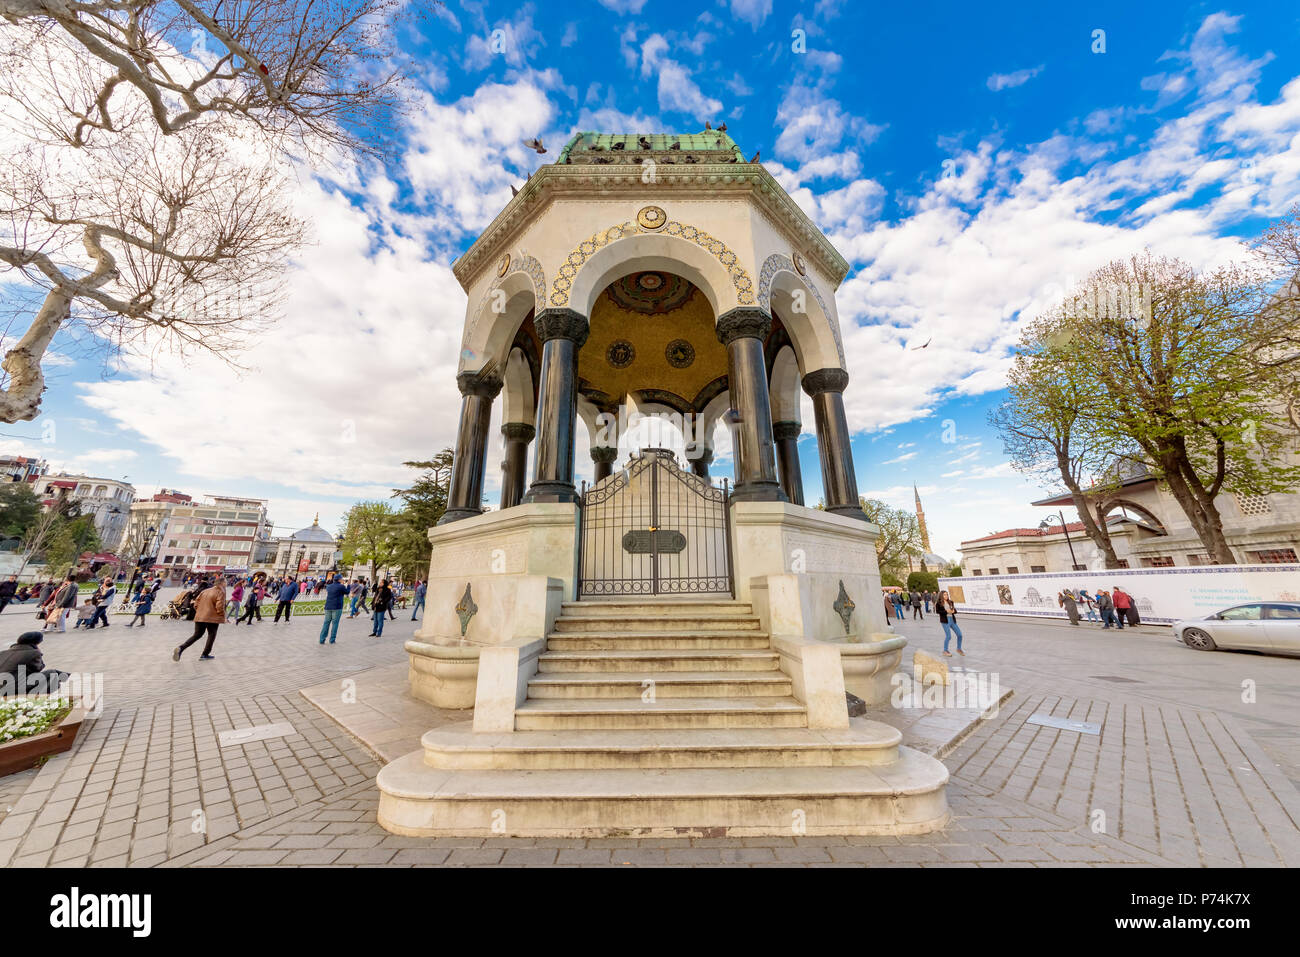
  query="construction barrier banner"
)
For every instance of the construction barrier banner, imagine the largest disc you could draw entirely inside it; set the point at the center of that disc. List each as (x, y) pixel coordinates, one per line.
(1162, 595)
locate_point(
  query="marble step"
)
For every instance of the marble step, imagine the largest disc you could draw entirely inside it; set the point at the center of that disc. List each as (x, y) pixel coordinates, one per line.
(643, 608)
(548, 714)
(607, 661)
(863, 743)
(647, 640)
(666, 684)
(667, 622)
(906, 796)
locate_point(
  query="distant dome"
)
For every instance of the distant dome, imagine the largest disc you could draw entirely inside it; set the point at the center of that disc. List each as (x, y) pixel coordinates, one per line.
(313, 533)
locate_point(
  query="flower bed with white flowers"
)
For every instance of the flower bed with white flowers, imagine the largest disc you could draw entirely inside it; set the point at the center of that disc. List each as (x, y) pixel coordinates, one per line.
(25, 717)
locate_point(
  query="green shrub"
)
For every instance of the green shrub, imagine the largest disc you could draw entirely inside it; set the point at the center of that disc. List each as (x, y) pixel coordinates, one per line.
(923, 581)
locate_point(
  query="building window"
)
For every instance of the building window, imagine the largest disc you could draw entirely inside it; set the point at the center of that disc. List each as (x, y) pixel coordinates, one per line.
(1123, 563)
(1199, 558)
(1080, 568)
(1274, 556)
(1013, 569)
(993, 571)
(1158, 561)
(1037, 568)
(1253, 504)
(976, 571)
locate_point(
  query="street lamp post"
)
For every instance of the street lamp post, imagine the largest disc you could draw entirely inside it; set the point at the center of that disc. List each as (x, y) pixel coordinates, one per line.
(1047, 522)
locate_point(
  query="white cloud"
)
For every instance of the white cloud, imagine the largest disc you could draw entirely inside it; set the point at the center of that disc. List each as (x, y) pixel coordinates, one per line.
(753, 12)
(1006, 81)
(1003, 237)
(465, 155)
(677, 90)
(623, 6)
(905, 457)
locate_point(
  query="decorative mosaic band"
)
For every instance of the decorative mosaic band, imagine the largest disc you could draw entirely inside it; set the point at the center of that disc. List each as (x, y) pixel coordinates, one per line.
(740, 279)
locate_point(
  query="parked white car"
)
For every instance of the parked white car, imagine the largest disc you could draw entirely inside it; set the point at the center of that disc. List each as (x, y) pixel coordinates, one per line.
(1260, 626)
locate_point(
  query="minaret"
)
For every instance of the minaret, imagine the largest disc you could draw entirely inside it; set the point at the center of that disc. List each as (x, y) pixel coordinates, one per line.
(920, 520)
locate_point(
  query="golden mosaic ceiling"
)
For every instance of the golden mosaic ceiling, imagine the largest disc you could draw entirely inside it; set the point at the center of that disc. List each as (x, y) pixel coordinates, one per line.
(651, 331)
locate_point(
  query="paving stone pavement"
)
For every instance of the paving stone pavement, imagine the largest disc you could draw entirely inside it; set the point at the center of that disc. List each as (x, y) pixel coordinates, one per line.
(1176, 770)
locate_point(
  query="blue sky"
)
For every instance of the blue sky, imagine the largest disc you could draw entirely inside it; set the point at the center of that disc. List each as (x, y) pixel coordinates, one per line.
(969, 160)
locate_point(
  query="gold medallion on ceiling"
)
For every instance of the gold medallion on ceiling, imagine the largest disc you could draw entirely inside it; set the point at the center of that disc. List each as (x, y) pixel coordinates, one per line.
(651, 217)
(799, 265)
(504, 266)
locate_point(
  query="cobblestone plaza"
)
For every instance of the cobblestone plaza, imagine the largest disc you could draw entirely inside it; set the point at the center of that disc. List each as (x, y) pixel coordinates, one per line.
(1184, 772)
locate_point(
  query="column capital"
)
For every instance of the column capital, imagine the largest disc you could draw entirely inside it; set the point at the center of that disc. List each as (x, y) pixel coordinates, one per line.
(603, 454)
(519, 431)
(561, 324)
(476, 383)
(786, 430)
(744, 322)
(825, 380)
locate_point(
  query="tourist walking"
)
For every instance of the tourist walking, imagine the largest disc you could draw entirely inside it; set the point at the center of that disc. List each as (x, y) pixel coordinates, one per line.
(1066, 600)
(421, 589)
(288, 591)
(335, 592)
(898, 605)
(209, 613)
(1106, 606)
(236, 600)
(379, 605)
(104, 596)
(85, 613)
(143, 605)
(62, 602)
(948, 619)
(926, 596)
(916, 606)
(1129, 605)
(254, 604)
(1122, 603)
(1089, 604)
(355, 592)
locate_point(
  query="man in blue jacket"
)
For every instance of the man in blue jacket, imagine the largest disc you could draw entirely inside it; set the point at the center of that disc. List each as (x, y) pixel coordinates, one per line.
(335, 592)
(288, 591)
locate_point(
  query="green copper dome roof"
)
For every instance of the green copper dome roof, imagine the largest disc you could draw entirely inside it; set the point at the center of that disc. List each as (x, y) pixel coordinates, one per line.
(707, 145)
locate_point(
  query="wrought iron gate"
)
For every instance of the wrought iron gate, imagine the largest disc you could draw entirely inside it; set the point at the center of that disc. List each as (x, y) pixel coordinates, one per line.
(654, 529)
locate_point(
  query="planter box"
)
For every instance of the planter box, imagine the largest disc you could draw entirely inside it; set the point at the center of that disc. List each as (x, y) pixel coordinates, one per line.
(26, 752)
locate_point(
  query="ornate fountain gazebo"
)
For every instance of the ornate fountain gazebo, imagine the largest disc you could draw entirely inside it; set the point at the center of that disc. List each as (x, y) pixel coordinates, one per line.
(655, 274)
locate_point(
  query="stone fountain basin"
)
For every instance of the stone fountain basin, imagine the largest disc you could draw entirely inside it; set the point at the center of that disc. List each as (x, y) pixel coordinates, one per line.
(869, 664)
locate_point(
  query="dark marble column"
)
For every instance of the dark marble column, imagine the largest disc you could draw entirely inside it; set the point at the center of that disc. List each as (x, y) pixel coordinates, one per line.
(562, 331)
(465, 492)
(840, 484)
(742, 331)
(700, 464)
(787, 458)
(604, 458)
(514, 477)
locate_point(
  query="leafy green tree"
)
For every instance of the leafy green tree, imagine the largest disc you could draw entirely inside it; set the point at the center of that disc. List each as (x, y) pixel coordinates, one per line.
(1045, 428)
(900, 535)
(72, 538)
(19, 508)
(423, 506)
(923, 581)
(370, 534)
(1186, 369)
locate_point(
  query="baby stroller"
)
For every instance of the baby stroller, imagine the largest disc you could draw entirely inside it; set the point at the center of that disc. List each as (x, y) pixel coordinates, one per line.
(179, 608)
